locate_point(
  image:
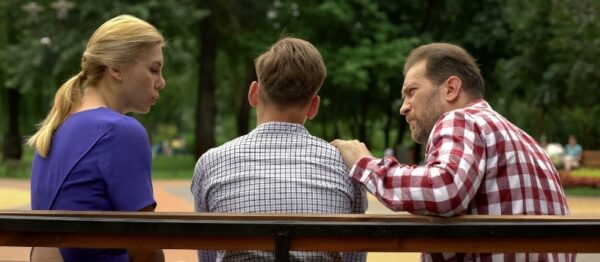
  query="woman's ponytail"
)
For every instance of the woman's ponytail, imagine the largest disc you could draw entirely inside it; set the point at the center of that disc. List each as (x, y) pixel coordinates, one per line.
(66, 99)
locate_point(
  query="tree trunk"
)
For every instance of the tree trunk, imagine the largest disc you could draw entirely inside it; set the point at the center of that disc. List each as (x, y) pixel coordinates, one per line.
(364, 117)
(388, 123)
(243, 115)
(206, 107)
(417, 154)
(386, 130)
(13, 143)
(401, 150)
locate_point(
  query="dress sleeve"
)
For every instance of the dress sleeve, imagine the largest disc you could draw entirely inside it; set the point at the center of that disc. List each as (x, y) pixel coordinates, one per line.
(445, 185)
(125, 164)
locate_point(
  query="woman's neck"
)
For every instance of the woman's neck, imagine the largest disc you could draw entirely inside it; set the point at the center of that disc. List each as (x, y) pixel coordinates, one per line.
(97, 96)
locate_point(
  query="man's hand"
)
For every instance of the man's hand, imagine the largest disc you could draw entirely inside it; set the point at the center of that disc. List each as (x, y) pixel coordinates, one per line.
(351, 150)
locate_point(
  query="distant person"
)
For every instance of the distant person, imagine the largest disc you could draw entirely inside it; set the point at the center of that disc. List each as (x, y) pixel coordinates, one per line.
(89, 154)
(476, 161)
(279, 167)
(556, 153)
(573, 152)
(388, 152)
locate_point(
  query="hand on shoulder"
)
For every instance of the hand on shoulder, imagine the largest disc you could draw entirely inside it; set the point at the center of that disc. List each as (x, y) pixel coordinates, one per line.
(351, 150)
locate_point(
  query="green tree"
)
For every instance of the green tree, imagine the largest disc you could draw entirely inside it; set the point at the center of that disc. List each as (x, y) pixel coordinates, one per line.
(43, 65)
(550, 76)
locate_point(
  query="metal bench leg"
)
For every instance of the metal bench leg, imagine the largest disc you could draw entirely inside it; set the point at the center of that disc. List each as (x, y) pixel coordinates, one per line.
(282, 247)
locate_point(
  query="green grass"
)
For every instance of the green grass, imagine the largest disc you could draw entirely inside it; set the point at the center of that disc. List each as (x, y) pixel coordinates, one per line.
(15, 169)
(182, 167)
(582, 191)
(173, 167)
(163, 167)
(586, 172)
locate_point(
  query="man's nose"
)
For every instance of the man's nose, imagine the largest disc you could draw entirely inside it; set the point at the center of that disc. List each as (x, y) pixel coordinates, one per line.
(405, 107)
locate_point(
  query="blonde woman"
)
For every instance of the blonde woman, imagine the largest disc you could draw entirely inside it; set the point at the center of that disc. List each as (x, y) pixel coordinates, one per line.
(89, 154)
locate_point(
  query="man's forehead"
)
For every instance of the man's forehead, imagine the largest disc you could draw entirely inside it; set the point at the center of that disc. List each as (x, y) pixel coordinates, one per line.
(416, 69)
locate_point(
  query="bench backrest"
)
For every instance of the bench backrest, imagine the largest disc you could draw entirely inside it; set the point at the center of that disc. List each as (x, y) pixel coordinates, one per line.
(590, 158)
(281, 233)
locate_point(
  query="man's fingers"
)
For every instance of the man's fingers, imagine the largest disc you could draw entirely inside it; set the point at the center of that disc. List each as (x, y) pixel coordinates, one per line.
(339, 142)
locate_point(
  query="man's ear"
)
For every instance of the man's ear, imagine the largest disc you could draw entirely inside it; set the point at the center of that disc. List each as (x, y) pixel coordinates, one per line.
(313, 108)
(115, 73)
(453, 88)
(253, 94)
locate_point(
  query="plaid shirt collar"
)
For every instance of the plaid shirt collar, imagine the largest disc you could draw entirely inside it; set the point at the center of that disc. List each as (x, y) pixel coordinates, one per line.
(280, 127)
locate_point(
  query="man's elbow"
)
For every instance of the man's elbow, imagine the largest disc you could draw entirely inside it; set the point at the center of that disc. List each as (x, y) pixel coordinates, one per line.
(453, 205)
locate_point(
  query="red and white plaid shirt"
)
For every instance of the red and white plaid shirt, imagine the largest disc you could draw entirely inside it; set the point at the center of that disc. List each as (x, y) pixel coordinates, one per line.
(477, 162)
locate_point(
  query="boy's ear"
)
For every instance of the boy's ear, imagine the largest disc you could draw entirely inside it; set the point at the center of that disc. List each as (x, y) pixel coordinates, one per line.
(253, 94)
(115, 73)
(313, 108)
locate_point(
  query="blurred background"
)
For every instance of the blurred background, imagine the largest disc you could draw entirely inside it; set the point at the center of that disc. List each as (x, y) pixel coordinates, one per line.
(540, 60)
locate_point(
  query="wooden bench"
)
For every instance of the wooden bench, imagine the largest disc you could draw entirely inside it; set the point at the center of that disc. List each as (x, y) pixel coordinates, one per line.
(590, 158)
(282, 233)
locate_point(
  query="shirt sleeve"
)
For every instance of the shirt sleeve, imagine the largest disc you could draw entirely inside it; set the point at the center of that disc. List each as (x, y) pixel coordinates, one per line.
(359, 206)
(359, 196)
(360, 203)
(197, 188)
(200, 206)
(445, 185)
(125, 164)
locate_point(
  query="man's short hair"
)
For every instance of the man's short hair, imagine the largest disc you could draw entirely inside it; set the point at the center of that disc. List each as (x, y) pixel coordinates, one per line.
(290, 73)
(445, 60)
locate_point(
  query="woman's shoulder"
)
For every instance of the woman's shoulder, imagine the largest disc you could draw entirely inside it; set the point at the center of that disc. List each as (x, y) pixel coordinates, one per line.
(106, 119)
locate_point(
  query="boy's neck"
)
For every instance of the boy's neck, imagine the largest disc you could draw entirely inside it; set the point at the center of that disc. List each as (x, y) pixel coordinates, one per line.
(291, 115)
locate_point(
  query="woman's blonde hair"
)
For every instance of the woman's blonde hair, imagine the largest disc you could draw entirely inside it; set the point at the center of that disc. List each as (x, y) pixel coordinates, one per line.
(120, 41)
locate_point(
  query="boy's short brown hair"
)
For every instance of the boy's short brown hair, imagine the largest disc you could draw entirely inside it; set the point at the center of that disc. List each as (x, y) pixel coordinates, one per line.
(290, 73)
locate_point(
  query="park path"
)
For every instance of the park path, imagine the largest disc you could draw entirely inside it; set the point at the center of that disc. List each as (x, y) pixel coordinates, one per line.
(175, 196)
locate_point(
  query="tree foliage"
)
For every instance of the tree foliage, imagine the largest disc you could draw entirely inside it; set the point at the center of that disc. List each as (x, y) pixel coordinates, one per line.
(539, 58)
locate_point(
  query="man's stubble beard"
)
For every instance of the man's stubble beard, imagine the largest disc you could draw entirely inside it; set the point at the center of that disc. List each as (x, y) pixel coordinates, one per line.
(430, 117)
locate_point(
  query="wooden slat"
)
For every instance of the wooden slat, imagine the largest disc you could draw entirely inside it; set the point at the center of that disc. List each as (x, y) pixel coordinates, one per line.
(591, 158)
(299, 217)
(432, 244)
(383, 233)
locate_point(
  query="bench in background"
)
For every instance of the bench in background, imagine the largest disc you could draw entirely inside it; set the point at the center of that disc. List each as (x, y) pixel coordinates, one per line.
(590, 158)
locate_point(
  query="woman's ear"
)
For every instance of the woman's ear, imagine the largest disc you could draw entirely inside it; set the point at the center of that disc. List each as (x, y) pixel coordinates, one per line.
(253, 94)
(115, 73)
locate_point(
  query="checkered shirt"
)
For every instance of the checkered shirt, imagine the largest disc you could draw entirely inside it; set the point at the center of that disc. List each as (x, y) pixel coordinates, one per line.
(477, 162)
(277, 168)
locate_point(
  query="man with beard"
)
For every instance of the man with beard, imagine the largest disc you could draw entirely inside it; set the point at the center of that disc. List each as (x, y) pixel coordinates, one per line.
(476, 161)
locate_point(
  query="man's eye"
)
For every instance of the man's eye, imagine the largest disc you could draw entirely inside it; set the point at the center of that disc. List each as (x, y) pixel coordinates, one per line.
(411, 92)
